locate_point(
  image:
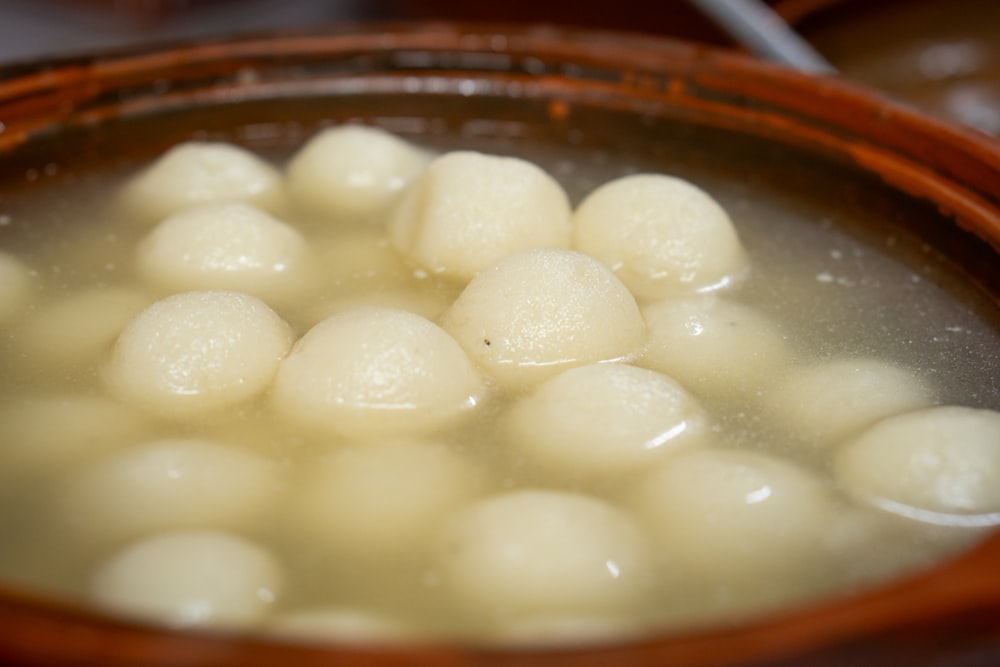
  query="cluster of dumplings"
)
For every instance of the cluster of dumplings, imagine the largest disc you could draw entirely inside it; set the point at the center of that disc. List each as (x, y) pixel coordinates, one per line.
(389, 395)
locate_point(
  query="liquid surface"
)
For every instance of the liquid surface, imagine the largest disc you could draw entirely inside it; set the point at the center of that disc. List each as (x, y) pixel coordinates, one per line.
(833, 293)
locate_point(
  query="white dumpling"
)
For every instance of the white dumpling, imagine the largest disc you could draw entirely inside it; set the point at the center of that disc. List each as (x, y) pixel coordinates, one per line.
(940, 465)
(378, 500)
(79, 328)
(469, 210)
(713, 346)
(353, 172)
(824, 403)
(15, 287)
(729, 516)
(539, 312)
(341, 625)
(190, 579)
(169, 484)
(195, 173)
(48, 433)
(376, 371)
(230, 246)
(529, 552)
(195, 352)
(662, 235)
(604, 419)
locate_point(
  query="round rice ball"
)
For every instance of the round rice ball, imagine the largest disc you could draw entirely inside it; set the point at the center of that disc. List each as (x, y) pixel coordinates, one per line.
(375, 372)
(197, 352)
(227, 246)
(939, 465)
(822, 404)
(378, 500)
(530, 551)
(470, 210)
(353, 172)
(540, 312)
(195, 173)
(604, 419)
(190, 579)
(168, 484)
(713, 346)
(662, 235)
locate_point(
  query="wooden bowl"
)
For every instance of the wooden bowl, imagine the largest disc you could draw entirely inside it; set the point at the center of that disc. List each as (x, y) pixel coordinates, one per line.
(831, 147)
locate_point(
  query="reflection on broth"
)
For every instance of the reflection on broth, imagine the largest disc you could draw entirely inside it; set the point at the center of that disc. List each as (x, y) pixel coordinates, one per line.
(364, 400)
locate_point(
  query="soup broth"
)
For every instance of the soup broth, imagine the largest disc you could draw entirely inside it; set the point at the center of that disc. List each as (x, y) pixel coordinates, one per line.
(368, 534)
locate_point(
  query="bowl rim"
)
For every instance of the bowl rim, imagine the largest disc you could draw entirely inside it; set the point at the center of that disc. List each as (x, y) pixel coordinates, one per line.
(957, 168)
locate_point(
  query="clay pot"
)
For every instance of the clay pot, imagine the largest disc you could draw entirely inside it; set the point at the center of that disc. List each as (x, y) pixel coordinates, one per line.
(820, 142)
(940, 57)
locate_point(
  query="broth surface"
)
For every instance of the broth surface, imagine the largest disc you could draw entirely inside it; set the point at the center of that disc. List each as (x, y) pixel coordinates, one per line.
(836, 287)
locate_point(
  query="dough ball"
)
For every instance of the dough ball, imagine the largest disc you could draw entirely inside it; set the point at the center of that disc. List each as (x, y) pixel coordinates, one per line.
(379, 499)
(169, 484)
(539, 312)
(79, 328)
(604, 419)
(15, 287)
(226, 246)
(534, 552)
(48, 433)
(713, 346)
(940, 465)
(662, 235)
(190, 579)
(353, 172)
(196, 352)
(341, 626)
(376, 371)
(729, 516)
(195, 173)
(822, 404)
(470, 210)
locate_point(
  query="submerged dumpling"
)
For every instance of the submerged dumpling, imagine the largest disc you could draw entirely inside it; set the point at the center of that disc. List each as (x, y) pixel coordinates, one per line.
(378, 499)
(713, 346)
(470, 210)
(725, 516)
(50, 432)
(190, 579)
(940, 465)
(824, 403)
(604, 419)
(226, 246)
(169, 484)
(542, 311)
(80, 327)
(662, 235)
(195, 173)
(352, 172)
(529, 552)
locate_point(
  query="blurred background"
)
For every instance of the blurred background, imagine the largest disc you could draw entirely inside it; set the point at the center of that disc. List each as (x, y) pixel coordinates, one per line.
(940, 55)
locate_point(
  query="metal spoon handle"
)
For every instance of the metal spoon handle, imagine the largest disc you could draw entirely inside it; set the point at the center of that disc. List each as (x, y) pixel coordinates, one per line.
(758, 28)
